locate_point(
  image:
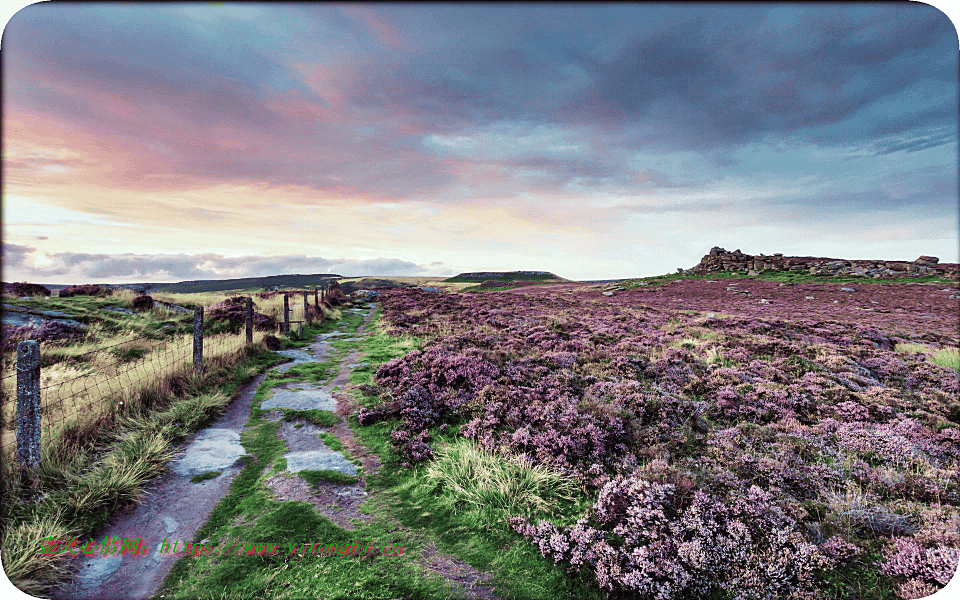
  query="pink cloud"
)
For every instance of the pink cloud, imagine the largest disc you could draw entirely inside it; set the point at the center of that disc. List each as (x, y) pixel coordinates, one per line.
(386, 33)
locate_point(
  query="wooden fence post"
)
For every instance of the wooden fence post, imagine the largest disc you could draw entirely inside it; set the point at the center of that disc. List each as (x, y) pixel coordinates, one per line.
(306, 313)
(316, 298)
(198, 340)
(28, 404)
(249, 320)
(286, 314)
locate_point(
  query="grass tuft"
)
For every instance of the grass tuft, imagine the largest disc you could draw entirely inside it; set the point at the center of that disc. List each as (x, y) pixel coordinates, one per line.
(467, 475)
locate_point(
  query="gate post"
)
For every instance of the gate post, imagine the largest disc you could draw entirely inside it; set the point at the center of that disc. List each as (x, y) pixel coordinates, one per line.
(198, 340)
(306, 313)
(249, 320)
(286, 314)
(28, 404)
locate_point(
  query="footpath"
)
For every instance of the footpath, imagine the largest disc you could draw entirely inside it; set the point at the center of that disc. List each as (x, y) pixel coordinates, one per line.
(175, 507)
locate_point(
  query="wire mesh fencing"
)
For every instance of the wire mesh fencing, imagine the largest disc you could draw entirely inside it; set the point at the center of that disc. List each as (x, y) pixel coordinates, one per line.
(90, 390)
(79, 393)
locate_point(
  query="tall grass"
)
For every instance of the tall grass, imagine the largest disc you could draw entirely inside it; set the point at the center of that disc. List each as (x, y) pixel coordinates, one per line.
(469, 476)
(80, 485)
(80, 390)
(945, 357)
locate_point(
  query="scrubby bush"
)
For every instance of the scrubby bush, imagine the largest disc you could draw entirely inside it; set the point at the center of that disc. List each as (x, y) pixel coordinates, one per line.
(24, 289)
(85, 290)
(636, 539)
(231, 316)
(51, 330)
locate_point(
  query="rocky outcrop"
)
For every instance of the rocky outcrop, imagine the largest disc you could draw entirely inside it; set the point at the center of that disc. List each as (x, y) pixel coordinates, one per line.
(721, 260)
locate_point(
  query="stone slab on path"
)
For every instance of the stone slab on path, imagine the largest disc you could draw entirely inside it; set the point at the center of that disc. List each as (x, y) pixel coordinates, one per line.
(300, 398)
(319, 460)
(173, 508)
(299, 357)
(213, 450)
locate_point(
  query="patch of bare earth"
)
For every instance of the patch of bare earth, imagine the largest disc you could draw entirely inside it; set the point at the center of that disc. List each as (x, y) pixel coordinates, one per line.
(472, 581)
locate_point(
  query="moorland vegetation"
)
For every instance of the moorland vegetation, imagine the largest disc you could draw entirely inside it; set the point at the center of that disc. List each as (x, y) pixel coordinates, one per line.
(789, 441)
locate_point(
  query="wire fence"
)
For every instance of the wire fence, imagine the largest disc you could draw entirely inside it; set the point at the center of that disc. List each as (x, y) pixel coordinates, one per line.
(86, 391)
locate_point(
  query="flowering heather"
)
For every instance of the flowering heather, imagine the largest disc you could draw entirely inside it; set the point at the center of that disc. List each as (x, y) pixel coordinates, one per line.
(51, 330)
(732, 445)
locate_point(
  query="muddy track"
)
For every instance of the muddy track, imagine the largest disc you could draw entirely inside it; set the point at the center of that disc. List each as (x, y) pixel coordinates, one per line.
(175, 508)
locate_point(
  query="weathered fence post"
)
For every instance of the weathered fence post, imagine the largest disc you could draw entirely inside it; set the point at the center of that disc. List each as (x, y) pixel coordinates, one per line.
(249, 320)
(198, 340)
(316, 298)
(28, 404)
(286, 314)
(306, 313)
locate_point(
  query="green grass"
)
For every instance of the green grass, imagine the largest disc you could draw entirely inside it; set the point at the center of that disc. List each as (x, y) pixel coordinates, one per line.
(945, 357)
(249, 512)
(324, 418)
(316, 372)
(204, 476)
(83, 486)
(466, 476)
(409, 508)
(330, 475)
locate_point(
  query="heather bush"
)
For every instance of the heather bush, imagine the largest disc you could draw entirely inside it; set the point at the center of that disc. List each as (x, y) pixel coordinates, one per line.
(84, 290)
(21, 289)
(49, 331)
(230, 316)
(636, 539)
(719, 416)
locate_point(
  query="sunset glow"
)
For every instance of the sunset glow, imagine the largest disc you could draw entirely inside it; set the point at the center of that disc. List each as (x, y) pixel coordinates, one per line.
(165, 142)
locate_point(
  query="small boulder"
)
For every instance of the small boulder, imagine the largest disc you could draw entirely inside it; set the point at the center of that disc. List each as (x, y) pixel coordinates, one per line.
(847, 290)
(928, 260)
(142, 303)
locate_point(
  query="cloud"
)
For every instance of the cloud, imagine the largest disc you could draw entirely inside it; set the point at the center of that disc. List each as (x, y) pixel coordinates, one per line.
(84, 267)
(14, 255)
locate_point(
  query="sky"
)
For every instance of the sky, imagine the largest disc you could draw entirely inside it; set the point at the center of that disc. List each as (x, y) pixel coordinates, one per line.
(164, 142)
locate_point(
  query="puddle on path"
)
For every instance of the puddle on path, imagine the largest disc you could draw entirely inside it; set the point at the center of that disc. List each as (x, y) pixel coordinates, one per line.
(175, 508)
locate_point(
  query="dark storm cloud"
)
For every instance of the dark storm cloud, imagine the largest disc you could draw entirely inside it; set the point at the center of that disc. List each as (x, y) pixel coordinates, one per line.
(339, 98)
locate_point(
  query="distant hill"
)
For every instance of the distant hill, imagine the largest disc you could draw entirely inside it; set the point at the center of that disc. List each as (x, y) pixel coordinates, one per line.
(243, 283)
(481, 276)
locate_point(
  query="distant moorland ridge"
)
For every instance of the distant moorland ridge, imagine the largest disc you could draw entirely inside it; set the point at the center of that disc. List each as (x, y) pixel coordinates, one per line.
(482, 276)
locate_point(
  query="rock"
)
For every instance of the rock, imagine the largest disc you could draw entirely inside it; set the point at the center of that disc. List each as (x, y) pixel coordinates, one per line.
(319, 460)
(118, 309)
(301, 397)
(899, 267)
(213, 449)
(431, 290)
(752, 273)
(142, 303)
(763, 301)
(930, 260)
(809, 298)
(366, 295)
(607, 294)
(847, 290)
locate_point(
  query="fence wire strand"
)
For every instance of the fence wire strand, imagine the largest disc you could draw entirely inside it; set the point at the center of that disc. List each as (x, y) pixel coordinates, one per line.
(90, 397)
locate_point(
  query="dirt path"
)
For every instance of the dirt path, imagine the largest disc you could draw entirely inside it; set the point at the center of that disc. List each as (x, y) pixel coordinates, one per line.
(174, 508)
